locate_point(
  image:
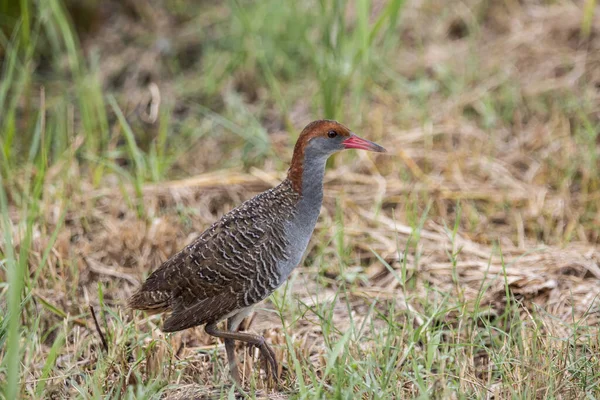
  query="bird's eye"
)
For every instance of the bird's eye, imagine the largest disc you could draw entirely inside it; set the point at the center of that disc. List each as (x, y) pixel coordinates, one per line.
(331, 134)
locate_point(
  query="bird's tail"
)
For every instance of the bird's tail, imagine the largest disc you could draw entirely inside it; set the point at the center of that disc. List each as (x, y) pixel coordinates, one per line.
(155, 301)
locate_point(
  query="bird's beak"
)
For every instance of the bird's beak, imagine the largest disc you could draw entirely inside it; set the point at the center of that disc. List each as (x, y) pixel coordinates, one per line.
(356, 142)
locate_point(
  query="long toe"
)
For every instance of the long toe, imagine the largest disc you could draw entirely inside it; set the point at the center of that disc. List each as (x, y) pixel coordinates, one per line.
(268, 356)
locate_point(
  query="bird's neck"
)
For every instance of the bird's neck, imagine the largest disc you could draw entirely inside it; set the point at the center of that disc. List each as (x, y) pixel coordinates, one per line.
(300, 227)
(311, 196)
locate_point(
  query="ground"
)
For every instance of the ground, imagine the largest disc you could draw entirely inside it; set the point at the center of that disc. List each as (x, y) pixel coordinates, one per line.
(464, 263)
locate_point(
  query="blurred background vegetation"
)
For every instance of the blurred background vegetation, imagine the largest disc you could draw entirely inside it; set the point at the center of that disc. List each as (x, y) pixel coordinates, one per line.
(123, 76)
(234, 66)
(490, 110)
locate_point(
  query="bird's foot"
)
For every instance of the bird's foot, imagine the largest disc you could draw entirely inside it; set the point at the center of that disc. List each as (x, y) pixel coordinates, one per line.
(269, 361)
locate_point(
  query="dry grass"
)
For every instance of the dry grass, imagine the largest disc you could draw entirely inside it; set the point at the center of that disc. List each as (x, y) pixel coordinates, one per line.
(467, 257)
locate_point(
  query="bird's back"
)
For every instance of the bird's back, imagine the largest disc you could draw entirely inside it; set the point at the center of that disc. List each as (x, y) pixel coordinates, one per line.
(231, 266)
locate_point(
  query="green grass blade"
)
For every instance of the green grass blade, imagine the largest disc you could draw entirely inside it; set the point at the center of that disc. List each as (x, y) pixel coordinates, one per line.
(15, 281)
(53, 354)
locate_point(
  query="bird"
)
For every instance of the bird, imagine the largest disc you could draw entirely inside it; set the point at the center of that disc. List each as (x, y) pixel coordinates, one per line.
(249, 252)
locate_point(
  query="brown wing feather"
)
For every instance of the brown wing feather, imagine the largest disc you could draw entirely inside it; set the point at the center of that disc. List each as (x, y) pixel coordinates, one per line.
(200, 313)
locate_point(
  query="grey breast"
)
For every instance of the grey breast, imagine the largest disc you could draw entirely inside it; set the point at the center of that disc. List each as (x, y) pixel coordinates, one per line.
(298, 230)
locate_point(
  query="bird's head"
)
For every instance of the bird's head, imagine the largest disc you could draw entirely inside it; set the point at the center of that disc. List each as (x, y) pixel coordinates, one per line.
(325, 137)
(319, 140)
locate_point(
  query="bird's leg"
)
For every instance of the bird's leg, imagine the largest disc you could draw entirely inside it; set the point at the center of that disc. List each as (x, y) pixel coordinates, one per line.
(230, 349)
(254, 340)
(233, 323)
(232, 360)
